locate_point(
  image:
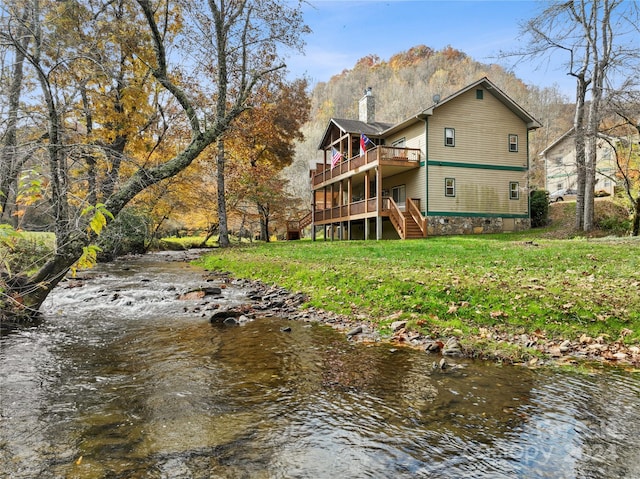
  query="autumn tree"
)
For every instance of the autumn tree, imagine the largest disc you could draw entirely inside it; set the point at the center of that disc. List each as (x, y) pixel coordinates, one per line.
(130, 94)
(263, 142)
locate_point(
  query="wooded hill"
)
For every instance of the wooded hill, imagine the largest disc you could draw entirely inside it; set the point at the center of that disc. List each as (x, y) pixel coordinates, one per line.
(405, 84)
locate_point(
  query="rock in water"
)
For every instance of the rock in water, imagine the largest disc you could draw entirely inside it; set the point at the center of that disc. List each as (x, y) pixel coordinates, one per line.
(452, 348)
(354, 331)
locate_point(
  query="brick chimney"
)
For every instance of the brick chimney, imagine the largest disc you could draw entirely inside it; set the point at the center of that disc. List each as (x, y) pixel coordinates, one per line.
(367, 112)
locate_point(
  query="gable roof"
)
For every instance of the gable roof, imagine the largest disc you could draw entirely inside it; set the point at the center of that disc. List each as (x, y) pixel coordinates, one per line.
(568, 134)
(490, 87)
(380, 129)
(556, 142)
(374, 129)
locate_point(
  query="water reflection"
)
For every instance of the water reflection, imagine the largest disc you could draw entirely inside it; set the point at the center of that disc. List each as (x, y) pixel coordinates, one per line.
(129, 383)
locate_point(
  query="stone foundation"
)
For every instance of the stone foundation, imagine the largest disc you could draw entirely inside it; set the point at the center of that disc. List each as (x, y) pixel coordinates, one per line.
(458, 225)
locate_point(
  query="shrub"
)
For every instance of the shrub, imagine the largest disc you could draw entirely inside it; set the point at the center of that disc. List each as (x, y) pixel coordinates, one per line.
(612, 218)
(129, 233)
(24, 252)
(539, 208)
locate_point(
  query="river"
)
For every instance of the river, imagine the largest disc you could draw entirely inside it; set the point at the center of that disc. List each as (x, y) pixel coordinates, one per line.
(122, 380)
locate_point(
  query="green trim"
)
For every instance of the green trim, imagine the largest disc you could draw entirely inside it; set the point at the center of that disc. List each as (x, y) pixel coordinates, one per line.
(422, 163)
(456, 164)
(476, 215)
(426, 162)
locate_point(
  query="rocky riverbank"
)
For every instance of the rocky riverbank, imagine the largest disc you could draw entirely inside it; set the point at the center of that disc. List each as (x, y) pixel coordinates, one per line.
(530, 349)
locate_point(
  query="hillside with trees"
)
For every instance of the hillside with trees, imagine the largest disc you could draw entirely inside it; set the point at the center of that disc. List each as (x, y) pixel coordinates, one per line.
(406, 83)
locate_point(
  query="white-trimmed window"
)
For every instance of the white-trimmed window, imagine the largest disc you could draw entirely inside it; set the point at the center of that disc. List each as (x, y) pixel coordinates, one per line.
(513, 143)
(514, 190)
(449, 187)
(449, 137)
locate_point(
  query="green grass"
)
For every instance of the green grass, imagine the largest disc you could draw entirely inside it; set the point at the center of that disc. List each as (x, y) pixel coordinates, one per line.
(24, 251)
(562, 288)
(186, 242)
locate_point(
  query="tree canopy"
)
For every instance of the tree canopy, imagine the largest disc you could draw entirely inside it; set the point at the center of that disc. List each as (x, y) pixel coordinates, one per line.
(118, 96)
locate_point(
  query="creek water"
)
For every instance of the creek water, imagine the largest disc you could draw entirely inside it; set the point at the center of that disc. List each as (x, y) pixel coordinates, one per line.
(124, 381)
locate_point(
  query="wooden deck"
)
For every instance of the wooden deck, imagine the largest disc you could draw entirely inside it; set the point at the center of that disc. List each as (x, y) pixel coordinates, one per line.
(393, 158)
(408, 223)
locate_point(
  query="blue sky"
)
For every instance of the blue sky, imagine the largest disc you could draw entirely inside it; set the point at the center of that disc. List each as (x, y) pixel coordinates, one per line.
(345, 31)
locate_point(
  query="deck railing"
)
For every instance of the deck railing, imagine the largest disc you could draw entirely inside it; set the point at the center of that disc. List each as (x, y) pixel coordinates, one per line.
(397, 219)
(345, 212)
(384, 154)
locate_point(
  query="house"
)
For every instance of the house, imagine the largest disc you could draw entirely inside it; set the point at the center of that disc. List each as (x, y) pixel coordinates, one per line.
(459, 166)
(560, 164)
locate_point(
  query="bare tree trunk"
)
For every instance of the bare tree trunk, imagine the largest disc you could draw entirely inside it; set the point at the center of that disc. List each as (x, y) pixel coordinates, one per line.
(635, 229)
(578, 127)
(223, 237)
(264, 221)
(589, 183)
(10, 161)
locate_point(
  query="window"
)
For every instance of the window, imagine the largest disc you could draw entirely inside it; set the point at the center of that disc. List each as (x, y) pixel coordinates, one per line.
(449, 137)
(449, 187)
(557, 161)
(400, 143)
(514, 190)
(513, 143)
(479, 94)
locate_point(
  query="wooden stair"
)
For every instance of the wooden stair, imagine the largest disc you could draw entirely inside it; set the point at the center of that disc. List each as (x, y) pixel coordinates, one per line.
(295, 227)
(410, 224)
(413, 229)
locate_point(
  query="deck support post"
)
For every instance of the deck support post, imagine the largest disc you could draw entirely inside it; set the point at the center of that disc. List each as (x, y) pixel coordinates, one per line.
(378, 203)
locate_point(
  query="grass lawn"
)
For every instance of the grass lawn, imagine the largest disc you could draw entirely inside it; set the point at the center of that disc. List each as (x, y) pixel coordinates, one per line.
(515, 283)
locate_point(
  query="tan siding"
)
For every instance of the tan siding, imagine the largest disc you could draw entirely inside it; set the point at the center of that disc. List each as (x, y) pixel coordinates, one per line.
(482, 129)
(414, 136)
(414, 181)
(477, 191)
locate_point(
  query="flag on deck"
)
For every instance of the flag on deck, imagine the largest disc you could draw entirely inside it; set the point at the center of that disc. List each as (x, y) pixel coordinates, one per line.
(336, 156)
(363, 143)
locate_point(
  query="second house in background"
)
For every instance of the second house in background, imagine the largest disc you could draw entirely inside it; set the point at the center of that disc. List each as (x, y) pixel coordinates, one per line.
(560, 167)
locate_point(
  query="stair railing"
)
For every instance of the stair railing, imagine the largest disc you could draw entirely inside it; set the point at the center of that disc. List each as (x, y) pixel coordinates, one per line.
(413, 206)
